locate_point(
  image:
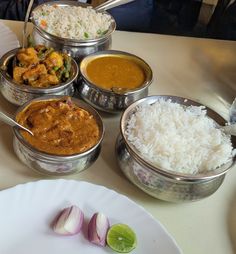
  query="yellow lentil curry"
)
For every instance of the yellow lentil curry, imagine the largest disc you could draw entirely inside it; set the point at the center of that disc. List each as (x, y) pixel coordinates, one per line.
(59, 127)
(110, 72)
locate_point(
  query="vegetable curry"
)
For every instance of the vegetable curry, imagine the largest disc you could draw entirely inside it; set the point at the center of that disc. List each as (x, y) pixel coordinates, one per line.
(111, 72)
(59, 127)
(41, 67)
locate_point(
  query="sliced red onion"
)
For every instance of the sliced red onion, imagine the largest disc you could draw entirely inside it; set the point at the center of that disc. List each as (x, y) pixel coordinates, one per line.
(69, 221)
(97, 229)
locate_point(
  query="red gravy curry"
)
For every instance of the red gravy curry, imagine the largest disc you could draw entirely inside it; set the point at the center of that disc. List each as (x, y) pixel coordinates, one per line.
(59, 127)
(110, 72)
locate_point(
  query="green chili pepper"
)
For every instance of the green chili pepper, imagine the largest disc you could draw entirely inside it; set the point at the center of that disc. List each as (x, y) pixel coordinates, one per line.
(30, 41)
(60, 72)
(55, 68)
(43, 54)
(104, 32)
(67, 63)
(67, 74)
(67, 67)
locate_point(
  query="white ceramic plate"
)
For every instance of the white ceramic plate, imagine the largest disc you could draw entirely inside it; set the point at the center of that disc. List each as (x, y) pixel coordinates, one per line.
(8, 40)
(27, 211)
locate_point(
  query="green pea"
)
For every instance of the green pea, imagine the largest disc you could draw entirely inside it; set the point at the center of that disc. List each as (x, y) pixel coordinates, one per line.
(55, 68)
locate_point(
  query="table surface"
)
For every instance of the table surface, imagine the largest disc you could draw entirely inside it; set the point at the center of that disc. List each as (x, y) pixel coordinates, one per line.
(199, 69)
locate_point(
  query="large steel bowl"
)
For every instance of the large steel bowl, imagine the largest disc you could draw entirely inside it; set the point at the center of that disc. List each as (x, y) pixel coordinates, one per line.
(19, 94)
(57, 165)
(76, 48)
(161, 183)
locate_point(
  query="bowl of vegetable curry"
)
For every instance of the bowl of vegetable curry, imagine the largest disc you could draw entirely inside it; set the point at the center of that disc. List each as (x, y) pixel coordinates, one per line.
(31, 72)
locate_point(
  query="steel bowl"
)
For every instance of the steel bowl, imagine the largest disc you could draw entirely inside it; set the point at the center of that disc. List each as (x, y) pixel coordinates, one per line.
(161, 183)
(56, 165)
(19, 94)
(116, 100)
(75, 48)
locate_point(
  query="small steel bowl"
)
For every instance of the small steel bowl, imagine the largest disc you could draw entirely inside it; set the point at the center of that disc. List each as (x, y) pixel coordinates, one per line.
(19, 94)
(161, 183)
(75, 48)
(56, 165)
(116, 100)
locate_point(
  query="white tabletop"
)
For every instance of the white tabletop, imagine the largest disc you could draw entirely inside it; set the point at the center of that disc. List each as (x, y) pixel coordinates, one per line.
(199, 69)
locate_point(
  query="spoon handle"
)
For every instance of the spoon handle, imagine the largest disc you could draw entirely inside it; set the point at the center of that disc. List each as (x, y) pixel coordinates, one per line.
(8, 120)
(229, 129)
(111, 4)
(232, 112)
(26, 22)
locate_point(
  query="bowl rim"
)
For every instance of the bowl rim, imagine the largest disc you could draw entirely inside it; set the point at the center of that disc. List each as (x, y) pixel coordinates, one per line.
(111, 29)
(54, 157)
(104, 53)
(26, 88)
(209, 175)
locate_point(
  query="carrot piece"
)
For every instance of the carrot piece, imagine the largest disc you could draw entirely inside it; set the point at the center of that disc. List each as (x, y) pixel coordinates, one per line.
(43, 23)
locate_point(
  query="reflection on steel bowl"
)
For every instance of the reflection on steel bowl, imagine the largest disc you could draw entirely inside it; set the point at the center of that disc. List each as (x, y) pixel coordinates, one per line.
(112, 80)
(67, 135)
(158, 181)
(82, 39)
(18, 94)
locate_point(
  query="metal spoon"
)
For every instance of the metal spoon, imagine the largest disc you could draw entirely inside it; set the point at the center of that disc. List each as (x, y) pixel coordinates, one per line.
(8, 120)
(26, 22)
(232, 112)
(229, 129)
(111, 4)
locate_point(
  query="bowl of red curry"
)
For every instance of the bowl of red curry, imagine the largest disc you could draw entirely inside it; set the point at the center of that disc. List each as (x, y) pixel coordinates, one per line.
(67, 135)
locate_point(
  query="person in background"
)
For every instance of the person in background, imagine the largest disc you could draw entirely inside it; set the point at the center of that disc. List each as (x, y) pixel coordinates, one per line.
(199, 18)
(175, 16)
(134, 16)
(16, 9)
(161, 16)
(7, 10)
(222, 24)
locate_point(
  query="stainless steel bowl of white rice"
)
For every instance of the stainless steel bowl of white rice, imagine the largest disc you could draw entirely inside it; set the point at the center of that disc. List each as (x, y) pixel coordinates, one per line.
(72, 27)
(172, 148)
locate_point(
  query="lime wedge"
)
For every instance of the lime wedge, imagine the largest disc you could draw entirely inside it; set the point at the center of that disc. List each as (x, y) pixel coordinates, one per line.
(121, 238)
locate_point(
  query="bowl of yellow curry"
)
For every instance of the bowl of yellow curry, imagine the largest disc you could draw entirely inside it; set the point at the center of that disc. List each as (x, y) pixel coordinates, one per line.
(67, 135)
(27, 73)
(111, 80)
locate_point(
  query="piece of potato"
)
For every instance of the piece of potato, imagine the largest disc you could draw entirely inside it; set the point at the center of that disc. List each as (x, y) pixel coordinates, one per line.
(54, 60)
(34, 73)
(27, 57)
(45, 80)
(18, 73)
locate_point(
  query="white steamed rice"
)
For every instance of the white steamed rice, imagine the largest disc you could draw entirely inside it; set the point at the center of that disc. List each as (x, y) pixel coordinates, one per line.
(72, 22)
(178, 138)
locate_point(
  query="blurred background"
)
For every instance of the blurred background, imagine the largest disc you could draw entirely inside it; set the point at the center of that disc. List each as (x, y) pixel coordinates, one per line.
(198, 18)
